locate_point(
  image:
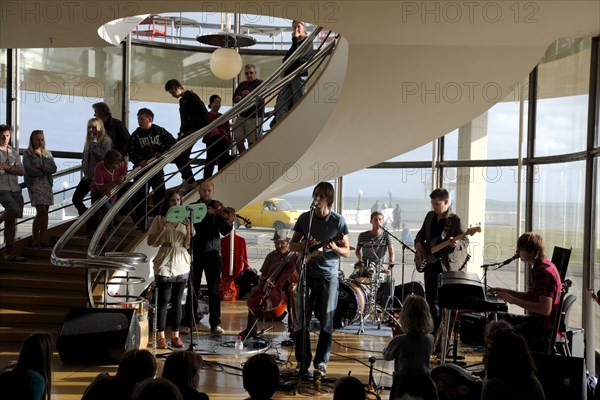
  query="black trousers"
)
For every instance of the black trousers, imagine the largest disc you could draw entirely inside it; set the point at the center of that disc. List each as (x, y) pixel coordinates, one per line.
(210, 263)
(184, 166)
(157, 183)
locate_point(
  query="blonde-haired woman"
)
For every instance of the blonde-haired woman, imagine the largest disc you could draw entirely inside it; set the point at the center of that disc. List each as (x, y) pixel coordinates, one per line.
(97, 144)
(39, 167)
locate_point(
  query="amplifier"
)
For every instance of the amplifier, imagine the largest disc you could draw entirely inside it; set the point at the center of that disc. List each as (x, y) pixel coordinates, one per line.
(472, 328)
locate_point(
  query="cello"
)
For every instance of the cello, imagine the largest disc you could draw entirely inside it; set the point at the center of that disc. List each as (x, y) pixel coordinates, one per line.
(269, 300)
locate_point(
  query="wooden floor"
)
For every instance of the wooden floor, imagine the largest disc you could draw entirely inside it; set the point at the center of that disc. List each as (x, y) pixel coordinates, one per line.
(221, 377)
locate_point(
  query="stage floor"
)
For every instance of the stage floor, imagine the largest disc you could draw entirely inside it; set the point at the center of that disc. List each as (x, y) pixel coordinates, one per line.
(221, 375)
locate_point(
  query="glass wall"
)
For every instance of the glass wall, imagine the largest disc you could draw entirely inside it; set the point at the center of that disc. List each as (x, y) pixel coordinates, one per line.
(3, 80)
(563, 85)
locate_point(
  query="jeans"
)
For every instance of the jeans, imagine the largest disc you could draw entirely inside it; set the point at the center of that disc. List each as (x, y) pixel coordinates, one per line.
(83, 188)
(169, 292)
(431, 276)
(289, 95)
(321, 296)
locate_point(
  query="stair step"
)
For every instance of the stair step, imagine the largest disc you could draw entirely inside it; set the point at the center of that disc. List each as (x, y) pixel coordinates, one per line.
(23, 315)
(44, 267)
(12, 336)
(17, 296)
(45, 253)
(55, 283)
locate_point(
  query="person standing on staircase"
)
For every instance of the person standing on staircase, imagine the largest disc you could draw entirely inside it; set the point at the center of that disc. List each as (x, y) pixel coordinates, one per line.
(11, 197)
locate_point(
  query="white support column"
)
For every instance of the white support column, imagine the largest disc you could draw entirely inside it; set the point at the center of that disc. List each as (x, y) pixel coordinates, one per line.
(470, 185)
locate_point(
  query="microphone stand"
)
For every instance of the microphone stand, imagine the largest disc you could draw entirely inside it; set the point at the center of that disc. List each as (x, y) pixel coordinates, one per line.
(195, 213)
(303, 290)
(404, 247)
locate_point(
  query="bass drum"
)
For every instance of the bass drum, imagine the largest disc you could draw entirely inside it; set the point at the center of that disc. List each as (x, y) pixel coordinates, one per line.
(352, 302)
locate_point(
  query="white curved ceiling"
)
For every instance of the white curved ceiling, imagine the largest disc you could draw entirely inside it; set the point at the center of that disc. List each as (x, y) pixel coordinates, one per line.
(415, 69)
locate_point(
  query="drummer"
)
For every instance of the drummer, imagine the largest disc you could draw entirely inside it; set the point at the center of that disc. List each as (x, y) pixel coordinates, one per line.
(371, 248)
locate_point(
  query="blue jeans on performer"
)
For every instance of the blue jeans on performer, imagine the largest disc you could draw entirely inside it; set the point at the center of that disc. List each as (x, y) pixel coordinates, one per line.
(321, 297)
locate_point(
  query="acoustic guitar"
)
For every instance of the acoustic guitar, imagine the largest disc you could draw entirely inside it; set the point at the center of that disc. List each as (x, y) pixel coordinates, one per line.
(436, 245)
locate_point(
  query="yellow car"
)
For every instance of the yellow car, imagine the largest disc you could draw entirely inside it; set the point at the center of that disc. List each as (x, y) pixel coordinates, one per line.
(271, 213)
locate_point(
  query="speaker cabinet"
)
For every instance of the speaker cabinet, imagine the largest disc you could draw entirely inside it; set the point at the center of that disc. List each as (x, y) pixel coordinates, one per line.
(561, 377)
(97, 335)
(472, 328)
(415, 288)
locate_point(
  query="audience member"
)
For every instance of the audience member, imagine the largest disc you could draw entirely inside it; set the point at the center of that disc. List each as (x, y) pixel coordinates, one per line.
(541, 298)
(510, 369)
(157, 389)
(207, 254)
(217, 140)
(115, 128)
(171, 266)
(292, 92)
(39, 167)
(97, 144)
(31, 377)
(147, 142)
(183, 369)
(194, 116)
(108, 173)
(134, 367)
(411, 351)
(261, 377)
(397, 217)
(11, 197)
(349, 388)
(248, 125)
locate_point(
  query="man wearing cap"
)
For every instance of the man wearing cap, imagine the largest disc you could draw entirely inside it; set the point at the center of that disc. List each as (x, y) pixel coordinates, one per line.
(281, 255)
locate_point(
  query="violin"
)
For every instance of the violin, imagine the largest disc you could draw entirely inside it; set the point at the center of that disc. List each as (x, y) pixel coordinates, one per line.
(227, 213)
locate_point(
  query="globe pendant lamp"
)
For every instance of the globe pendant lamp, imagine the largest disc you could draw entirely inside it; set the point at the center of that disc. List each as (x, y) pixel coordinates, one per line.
(226, 63)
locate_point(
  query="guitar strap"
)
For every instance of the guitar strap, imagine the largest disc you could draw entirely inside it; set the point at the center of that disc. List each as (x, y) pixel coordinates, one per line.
(449, 218)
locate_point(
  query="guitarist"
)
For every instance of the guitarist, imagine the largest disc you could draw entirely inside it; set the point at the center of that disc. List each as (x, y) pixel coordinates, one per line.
(439, 225)
(273, 260)
(321, 292)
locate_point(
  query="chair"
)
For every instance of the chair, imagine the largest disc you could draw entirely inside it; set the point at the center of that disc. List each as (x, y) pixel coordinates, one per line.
(560, 258)
(562, 340)
(558, 335)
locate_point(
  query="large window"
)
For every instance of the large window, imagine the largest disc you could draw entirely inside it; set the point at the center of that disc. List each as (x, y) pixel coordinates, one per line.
(563, 85)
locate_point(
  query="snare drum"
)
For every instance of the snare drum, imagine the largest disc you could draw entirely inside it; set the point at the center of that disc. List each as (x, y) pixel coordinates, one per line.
(352, 302)
(363, 273)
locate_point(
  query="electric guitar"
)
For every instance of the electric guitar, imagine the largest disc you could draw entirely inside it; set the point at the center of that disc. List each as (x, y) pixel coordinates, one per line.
(434, 247)
(313, 251)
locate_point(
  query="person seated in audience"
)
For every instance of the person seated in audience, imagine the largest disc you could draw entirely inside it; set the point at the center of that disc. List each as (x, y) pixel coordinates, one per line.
(261, 377)
(134, 367)
(157, 389)
(349, 388)
(541, 298)
(411, 351)
(183, 369)
(509, 367)
(31, 377)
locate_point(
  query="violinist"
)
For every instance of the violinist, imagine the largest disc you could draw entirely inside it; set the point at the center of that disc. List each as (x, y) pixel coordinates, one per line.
(207, 253)
(287, 278)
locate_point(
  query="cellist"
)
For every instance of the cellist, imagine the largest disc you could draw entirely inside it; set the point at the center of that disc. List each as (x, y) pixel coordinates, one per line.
(287, 276)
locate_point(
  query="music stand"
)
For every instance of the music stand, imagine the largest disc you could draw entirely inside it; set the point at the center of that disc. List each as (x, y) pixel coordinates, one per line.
(196, 213)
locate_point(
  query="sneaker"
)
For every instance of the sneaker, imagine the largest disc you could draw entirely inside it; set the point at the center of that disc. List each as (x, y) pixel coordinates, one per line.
(320, 370)
(288, 342)
(184, 330)
(186, 187)
(217, 330)
(14, 257)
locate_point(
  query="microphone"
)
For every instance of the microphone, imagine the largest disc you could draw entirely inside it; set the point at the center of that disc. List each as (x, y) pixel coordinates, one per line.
(503, 263)
(509, 260)
(314, 203)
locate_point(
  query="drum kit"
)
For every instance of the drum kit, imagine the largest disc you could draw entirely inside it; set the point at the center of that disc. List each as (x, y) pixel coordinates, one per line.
(367, 294)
